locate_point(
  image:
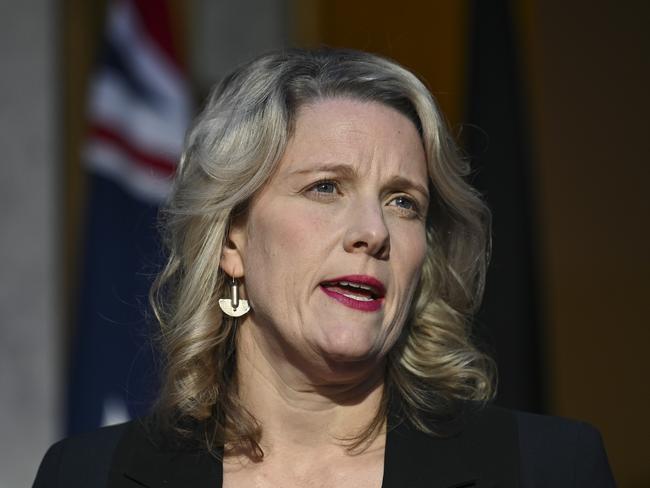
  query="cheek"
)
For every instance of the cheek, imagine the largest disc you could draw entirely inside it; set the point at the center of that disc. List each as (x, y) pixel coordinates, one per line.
(408, 268)
(412, 251)
(284, 244)
(409, 253)
(285, 236)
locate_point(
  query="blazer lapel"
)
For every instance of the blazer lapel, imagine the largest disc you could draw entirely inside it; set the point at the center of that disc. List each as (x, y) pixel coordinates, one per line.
(140, 462)
(479, 449)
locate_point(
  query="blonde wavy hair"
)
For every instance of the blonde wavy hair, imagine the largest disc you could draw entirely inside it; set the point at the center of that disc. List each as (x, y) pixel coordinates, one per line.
(231, 151)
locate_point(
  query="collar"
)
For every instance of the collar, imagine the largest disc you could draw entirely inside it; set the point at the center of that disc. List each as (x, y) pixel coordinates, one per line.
(477, 450)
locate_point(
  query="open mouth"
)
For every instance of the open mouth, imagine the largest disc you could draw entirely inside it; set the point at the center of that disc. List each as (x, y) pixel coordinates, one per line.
(358, 292)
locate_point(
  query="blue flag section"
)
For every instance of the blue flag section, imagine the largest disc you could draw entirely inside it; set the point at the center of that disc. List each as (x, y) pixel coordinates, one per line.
(138, 111)
(114, 373)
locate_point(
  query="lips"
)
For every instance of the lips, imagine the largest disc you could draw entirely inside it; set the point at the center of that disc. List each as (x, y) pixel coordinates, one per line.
(360, 292)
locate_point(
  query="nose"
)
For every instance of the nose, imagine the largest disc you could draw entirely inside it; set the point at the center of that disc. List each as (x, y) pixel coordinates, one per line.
(367, 231)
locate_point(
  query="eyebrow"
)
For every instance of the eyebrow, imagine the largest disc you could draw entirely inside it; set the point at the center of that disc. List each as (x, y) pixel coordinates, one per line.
(402, 182)
(342, 169)
(348, 171)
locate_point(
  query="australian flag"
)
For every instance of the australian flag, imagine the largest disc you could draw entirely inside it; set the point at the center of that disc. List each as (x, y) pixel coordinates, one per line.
(138, 111)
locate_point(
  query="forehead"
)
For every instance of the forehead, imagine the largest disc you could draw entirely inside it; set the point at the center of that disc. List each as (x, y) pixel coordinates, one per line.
(339, 116)
(348, 131)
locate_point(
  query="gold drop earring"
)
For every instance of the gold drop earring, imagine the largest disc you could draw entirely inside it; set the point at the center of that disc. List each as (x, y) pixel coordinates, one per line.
(234, 306)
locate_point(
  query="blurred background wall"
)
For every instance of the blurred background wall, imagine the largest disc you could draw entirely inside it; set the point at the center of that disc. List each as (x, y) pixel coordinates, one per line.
(30, 223)
(564, 311)
(588, 77)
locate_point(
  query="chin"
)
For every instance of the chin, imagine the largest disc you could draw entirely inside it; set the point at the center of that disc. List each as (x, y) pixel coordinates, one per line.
(342, 360)
(344, 349)
(349, 356)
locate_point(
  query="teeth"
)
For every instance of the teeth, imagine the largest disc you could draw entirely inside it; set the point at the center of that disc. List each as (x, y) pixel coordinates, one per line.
(356, 285)
(358, 297)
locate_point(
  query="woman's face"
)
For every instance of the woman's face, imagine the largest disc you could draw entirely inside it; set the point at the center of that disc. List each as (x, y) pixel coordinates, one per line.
(332, 246)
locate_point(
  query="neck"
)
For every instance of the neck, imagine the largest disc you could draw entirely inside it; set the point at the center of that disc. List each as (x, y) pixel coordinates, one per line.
(297, 410)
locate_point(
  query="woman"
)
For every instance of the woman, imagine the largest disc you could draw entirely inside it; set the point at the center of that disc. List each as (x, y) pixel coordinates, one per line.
(326, 256)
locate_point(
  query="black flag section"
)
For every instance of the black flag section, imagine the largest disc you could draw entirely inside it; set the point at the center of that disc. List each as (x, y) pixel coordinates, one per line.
(495, 140)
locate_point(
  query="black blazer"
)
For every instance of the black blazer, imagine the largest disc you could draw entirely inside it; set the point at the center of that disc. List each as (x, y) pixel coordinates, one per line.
(490, 447)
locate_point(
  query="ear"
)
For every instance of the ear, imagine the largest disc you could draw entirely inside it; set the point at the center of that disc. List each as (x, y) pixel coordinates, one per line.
(232, 254)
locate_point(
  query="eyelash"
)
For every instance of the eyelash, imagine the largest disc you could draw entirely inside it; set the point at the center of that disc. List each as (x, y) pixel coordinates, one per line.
(313, 187)
(413, 211)
(414, 205)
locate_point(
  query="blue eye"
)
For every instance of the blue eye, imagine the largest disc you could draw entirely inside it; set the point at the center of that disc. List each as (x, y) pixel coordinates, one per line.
(324, 187)
(325, 191)
(405, 203)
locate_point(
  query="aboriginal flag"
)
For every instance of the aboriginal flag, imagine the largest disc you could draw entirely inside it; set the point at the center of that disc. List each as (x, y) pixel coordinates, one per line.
(498, 143)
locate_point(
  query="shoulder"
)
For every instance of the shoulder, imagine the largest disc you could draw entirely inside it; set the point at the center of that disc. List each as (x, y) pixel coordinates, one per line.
(82, 460)
(556, 451)
(551, 451)
(137, 453)
(511, 448)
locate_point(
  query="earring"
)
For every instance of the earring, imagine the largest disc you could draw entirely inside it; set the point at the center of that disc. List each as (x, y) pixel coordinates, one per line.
(233, 306)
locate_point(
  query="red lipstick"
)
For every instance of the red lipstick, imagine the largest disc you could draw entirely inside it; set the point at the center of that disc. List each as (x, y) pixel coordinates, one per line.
(360, 292)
